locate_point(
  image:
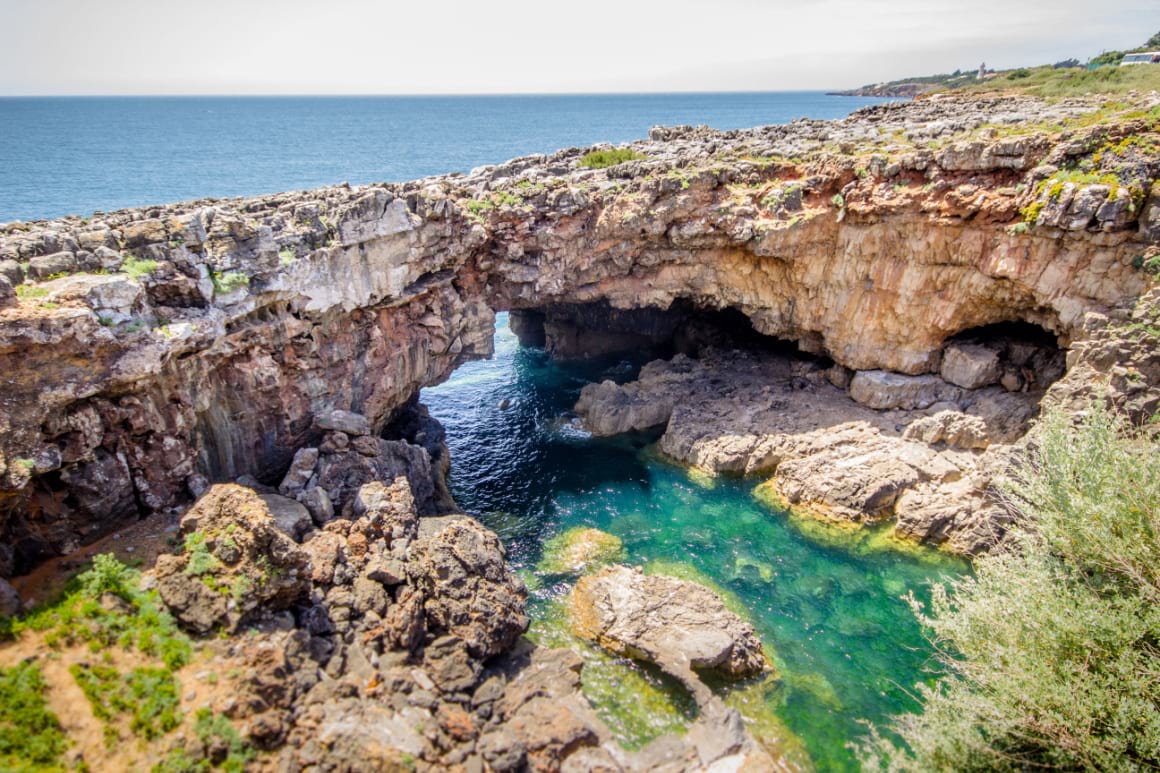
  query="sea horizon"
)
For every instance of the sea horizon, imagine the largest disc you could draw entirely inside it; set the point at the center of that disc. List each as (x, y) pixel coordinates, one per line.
(79, 154)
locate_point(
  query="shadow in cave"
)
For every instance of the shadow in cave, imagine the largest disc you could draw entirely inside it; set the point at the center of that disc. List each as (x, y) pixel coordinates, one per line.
(515, 447)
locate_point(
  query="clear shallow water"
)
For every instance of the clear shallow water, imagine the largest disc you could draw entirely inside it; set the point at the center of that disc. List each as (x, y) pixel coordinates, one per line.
(828, 604)
(74, 155)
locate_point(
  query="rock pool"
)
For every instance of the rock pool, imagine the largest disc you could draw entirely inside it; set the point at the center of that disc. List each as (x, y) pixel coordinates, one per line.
(827, 603)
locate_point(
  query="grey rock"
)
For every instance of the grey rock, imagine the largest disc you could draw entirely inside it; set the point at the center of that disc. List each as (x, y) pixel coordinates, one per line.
(883, 390)
(7, 293)
(970, 366)
(290, 516)
(301, 468)
(317, 501)
(10, 603)
(44, 266)
(343, 421)
(12, 271)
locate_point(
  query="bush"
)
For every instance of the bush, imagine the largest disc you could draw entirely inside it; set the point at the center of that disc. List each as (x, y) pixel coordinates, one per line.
(1050, 650)
(30, 734)
(602, 159)
(138, 267)
(108, 575)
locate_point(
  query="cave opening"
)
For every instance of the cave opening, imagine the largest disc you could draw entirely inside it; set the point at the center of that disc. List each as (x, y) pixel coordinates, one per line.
(1019, 355)
(576, 332)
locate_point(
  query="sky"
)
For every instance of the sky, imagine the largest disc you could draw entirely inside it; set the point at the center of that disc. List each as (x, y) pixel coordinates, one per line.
(56, 47)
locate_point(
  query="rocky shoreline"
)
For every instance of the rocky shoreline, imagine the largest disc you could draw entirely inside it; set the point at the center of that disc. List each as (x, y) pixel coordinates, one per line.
(868, 313)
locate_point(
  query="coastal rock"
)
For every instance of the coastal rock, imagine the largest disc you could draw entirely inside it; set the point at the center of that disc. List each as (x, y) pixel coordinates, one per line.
(237, 563)
(223, 360)
(459, 566)
(674, 623)
(956, 429)
(882, 390)
(970, 366)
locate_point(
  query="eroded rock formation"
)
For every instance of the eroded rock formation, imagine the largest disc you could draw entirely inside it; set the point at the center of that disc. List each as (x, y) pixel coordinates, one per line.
(149, 352)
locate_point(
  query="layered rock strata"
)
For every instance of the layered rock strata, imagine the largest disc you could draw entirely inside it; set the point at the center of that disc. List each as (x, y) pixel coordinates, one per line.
(149, 352)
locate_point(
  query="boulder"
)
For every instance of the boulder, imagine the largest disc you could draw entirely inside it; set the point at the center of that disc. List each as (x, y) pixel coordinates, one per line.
(12, 271)
(610, 409)
(301, 468)
(459, 567)
(955, 428)
(44, 266)
(970, 366)
(237, 563)
(290, 516)
(7, 293)
(664, 620)
(343, 421)
(883, 390)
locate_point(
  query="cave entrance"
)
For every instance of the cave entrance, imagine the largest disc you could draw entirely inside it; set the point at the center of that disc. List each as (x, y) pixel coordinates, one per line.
(592, 330)
(1021, 356)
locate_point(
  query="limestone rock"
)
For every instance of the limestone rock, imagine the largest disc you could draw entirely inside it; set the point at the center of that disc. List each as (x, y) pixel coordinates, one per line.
(956, 429)
(237, 563)
(459, 566)
(665, 621)
(343, 421)
(970, 366)
(882, 390)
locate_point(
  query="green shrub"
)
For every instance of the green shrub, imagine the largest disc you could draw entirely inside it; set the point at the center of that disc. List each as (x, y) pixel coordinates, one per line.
(602, 159)
(148, 695)
(1051, 650)
(108, 575)
(138, 267)
(30, 292)
(229, 281)
(30, 734)
(216, 735)
(79, 617)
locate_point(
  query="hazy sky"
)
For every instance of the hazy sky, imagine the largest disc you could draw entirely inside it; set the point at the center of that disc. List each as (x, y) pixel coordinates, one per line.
(508, 46)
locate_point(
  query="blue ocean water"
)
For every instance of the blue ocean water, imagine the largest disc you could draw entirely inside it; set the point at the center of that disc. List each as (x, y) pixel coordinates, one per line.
(76, 155)
(829, 603)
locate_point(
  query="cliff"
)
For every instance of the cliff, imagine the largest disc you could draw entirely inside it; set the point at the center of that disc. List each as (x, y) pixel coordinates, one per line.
(146, 353)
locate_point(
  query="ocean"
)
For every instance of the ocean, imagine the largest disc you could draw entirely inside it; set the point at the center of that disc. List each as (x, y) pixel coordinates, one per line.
(77, 155)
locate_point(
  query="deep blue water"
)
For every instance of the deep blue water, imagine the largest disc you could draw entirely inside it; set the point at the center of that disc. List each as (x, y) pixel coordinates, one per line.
(75, 155)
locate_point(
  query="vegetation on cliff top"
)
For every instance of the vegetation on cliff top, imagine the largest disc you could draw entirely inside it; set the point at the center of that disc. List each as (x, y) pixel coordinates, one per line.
(1101, 75)
(602, 159)
(1052, 649)
(30, 734)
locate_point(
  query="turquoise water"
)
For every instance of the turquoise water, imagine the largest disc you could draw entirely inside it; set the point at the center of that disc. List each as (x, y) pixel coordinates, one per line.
(63, 155)
(827, 603)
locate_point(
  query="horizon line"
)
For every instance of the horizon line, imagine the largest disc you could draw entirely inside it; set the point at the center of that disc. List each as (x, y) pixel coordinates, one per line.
(274, 95)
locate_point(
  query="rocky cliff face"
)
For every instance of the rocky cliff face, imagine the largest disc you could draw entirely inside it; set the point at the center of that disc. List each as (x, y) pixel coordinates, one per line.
(146, 353)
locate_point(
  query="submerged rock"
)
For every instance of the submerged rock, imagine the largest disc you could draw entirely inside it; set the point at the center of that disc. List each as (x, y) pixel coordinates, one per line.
(674, 623)
(580, 549)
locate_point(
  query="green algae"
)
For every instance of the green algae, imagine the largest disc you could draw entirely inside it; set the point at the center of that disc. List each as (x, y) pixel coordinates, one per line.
(580, 549)
(638, 703)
